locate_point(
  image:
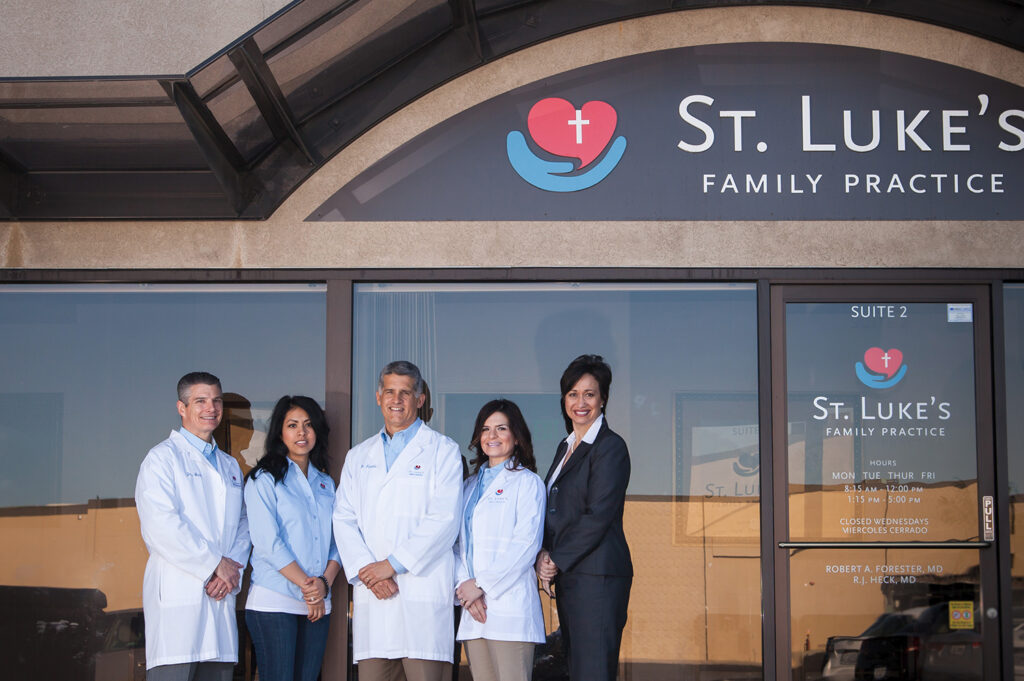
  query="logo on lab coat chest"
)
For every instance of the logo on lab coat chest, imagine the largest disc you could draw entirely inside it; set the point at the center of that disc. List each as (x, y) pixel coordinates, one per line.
(416, 471)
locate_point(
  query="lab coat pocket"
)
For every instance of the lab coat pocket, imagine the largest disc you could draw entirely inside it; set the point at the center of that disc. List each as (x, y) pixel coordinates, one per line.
(412, 491)
(178, 587)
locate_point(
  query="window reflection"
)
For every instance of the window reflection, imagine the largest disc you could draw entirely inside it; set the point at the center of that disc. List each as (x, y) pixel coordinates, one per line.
(684, 396)
(89, 386)
(907, 614)
(1014, 310)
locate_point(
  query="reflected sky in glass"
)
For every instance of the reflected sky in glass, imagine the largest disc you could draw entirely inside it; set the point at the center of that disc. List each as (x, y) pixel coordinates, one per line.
(89, 373)
(683, 357)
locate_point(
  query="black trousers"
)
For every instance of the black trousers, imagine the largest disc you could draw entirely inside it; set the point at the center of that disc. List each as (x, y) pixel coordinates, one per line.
(592, 614)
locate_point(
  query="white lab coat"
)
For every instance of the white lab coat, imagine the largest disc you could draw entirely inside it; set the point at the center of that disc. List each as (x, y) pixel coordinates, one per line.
(410, 512)
(508, 528)
(191, 514)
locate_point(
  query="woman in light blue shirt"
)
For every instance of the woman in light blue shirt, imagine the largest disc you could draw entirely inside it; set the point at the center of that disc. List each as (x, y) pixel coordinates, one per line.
(289, 498)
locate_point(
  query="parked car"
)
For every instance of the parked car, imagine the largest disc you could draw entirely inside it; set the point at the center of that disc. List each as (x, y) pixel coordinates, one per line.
(842, 652)
(949, 654)
(911, 645)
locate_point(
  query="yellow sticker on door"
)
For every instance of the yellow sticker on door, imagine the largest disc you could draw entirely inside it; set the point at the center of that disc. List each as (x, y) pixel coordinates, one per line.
(961, 614)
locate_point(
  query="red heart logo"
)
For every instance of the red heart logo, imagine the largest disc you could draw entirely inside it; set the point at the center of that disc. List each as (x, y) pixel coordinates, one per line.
(881, 361)
(561, 129)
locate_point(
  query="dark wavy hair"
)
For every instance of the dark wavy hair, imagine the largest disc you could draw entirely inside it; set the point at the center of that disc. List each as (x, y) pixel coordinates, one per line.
(275, 458)
(577, 369)
(522, 454)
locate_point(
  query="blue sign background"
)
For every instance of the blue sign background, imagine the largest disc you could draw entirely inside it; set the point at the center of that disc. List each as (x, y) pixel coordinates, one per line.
(460, 170)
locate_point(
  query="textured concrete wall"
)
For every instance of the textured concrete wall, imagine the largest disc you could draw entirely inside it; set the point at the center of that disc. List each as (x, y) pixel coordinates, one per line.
(116, 38)
(286, 241)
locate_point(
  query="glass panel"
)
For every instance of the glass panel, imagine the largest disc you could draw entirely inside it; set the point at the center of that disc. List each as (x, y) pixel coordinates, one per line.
(881, 422)
(352, 46)
(684, 397)
(294, 19)
(906, 614)
(1013, 303)
(213, 75)
(236, 111)
(94, 124)
(100, 138)
(89, 375)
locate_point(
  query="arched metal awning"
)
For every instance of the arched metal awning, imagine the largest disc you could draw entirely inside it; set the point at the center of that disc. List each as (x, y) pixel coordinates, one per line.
(235, 136)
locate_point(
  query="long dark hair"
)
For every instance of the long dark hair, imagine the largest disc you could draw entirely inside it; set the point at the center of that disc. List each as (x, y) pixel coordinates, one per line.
(522, 454)
(275, 460)
(577, 369)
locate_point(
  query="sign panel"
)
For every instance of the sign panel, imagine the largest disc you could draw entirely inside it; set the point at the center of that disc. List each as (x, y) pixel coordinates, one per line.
(753, 131)
(885, 397)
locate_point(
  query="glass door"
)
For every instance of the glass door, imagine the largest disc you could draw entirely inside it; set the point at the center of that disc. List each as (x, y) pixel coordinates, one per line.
(883, 482)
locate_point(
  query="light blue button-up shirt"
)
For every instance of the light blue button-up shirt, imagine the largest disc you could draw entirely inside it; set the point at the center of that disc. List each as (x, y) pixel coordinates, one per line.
(290, 521)
(484, 476)
(207, 449)
(393, 446)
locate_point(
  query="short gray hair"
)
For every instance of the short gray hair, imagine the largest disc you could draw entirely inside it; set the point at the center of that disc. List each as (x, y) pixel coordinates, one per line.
(402, 368)
(194, 378)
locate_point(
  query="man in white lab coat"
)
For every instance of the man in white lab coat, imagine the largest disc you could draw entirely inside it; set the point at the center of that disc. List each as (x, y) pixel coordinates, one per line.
(395, 522)
(189, 498)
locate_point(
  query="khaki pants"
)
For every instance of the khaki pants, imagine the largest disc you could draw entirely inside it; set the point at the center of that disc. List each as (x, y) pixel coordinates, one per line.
(499, 660)
(404, 669)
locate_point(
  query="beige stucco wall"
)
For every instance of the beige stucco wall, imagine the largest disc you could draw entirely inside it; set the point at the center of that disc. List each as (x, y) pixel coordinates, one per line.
(285, 240)
(114, 37)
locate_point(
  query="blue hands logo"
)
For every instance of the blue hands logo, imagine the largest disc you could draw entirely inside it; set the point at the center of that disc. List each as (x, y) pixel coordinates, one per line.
(559, 128)
(881, 368)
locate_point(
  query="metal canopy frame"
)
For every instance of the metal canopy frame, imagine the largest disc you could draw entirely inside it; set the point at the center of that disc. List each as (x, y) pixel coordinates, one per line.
(235, 136)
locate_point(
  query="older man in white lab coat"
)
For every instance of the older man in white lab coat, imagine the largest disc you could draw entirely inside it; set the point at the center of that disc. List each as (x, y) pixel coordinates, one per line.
(189, 498)
(395, 522)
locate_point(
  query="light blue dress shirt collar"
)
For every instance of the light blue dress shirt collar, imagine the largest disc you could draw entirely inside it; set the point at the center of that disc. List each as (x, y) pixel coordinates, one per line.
(394, 444)
(207, 449)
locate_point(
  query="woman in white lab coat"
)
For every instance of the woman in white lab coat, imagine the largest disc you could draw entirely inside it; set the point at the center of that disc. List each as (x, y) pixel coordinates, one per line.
(501, 532)
(290, 500)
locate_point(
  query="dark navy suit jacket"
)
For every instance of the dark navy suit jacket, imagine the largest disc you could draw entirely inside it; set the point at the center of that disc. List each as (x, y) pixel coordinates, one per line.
(583, 524)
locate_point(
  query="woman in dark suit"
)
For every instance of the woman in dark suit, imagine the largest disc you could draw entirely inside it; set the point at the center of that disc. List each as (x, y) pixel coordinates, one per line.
(584, 553)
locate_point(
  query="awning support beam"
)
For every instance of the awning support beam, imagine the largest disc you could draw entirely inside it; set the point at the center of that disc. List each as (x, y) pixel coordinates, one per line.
(220, 153)
(266, 92)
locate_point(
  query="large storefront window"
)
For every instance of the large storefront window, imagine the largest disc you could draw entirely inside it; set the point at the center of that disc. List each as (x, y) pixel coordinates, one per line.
(89, 376)
(1014, 328)
(684, 397)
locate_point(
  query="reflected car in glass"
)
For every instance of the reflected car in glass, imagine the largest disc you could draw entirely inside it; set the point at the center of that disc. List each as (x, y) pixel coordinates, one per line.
(912, 645)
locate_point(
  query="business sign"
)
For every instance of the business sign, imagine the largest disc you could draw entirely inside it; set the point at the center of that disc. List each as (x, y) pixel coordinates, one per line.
(882, 442)
(753, 131)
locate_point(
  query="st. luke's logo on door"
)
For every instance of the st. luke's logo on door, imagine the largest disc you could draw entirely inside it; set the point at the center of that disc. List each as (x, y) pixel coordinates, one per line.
(559, 128)
(881, 368)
